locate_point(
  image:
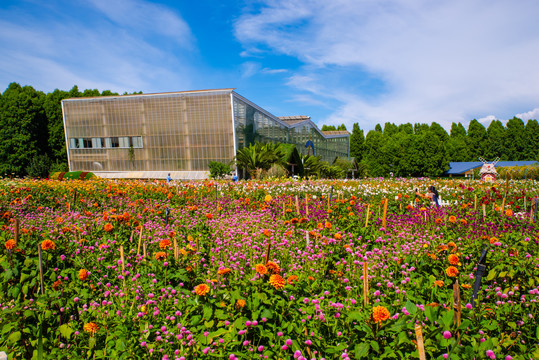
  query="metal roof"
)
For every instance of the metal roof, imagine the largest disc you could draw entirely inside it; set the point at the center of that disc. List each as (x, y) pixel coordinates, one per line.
(456, 168)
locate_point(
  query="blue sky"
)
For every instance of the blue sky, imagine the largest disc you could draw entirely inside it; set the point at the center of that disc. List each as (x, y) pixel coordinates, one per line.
(338, 61)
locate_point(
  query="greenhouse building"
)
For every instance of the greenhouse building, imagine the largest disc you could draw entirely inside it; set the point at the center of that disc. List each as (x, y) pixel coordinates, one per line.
(152, 135)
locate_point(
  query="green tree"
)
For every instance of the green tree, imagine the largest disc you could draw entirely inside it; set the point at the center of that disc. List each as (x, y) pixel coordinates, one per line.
(476, 140)
(56, 134)
(23, 128)
(390, 129)
(440, 131)
(328, 128)
(357, 142)
(374, 142)
(341, 127)
(531, 137)
(456, 149)
(259, 157)
(514, 141)
(218, 169)
(495, 141)
(457, 130)
(406, 128)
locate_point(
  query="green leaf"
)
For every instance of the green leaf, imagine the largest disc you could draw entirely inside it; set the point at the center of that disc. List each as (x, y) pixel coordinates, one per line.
(361, 350)
(208, 312)
(410, 306)
(447, 318)
(209, 324)
(65, 330)
(375, 346)
(14, 337)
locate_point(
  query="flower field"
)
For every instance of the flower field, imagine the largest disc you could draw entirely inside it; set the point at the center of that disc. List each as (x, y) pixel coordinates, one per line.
(268, 270)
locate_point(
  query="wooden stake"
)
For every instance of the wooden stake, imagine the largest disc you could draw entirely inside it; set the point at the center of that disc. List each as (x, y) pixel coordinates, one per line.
(144, 250)
(420, 345)
(16, 231)
(41, 269)
(268, 253)
(122, 258)
(524, 203)
(475, 202)
(307, 204)
(139, 242)
(175, 249)
(456, 302)
(297, 205)
(366, 283)
(503, 206)
(484, 211)
(368, 212)
(385, 213)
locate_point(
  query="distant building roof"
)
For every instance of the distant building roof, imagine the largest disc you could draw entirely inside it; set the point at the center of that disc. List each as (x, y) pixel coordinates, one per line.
(456, 168)
(294, 119)
(339, 132)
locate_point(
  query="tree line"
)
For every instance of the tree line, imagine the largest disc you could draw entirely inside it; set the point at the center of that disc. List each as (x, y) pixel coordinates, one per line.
(32, 138)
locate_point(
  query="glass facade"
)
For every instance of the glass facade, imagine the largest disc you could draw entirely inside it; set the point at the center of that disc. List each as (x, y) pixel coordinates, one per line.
(177, 132)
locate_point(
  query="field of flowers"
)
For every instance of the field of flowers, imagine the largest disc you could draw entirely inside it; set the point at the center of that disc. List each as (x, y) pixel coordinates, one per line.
(267, 270)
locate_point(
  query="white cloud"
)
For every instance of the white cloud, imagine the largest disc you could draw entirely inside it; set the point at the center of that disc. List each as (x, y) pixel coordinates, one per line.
(446, 61)
(59, 50)
(533, 114)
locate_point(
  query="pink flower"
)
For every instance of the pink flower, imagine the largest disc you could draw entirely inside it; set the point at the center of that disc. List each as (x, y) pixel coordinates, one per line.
(447, 335)
(490, 354)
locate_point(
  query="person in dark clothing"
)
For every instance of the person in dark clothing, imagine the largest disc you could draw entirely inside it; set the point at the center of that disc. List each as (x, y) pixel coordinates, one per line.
(432, 194)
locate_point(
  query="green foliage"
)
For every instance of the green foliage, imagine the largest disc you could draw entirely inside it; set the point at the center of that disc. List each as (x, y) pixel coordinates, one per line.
(260, 157)
(39, 166)
(219, 170)
(58, 167)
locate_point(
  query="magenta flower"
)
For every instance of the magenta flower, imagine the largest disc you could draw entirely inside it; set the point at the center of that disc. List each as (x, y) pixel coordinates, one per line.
(447, 334)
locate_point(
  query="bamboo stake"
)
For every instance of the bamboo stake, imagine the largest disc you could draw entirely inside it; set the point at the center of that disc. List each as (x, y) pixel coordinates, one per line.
(16, 231)
(268, 253)
(144, 250)
(41, 269)
(503, 206)
(475, 202)
(139, 241)
(365, 283)
(385, 213)
(122, 258)
(484, 211)
(524, 203)
(175, 249)
(420, 345)
(307, 204)
(456, 302)
(368, 212)
(297, 205)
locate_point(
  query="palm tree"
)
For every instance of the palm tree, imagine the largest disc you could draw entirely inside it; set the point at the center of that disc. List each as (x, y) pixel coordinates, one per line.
(260, 157)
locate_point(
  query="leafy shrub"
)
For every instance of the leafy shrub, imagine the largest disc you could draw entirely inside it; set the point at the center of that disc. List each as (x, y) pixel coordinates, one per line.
(39, 166)
(218, 169)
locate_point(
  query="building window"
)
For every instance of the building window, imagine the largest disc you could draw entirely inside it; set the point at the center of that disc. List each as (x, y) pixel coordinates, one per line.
(136, 141)
(123, 142)
(114, 142)
(97, 143)
(73, 143)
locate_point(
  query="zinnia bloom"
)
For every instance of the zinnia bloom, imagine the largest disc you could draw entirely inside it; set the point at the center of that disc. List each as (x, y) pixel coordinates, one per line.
(277, 281)
(267, 232)
(91, 327)
(380, 313)
(328, 225)
(291, 279)
(267, 198)
(438, 283)
(452, 219)
(160, 255)
(463, 222)
(452, 271)
(209, 216)
(509, 212)
(261, 269)
(224, 271)
(163, 244)
(273, 267)
(48, 245)
(493, 240)
(83, 274)
(240, 303)
(453, 259)
(108, 227)
(10, 244)
(202, 289)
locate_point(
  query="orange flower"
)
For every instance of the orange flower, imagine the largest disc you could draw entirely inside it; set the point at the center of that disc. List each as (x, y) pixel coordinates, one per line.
(439, 221)
(108, 227)
(441, 248)
(172, 234)
(294, 220)
(277, 281)
(267, 232)
(327, 225)
(291, 279)
(380, 313)
(224, 271)
(10, 244)
(273, 267)
(311, 278)
(452, 271)
(338, 236)
(466, 286)
(48, 245)
(160, 255)
(453, 245)
(303, 220)
(493, 240)
(509, 212)
(209, 216)
(432, 256)
(202, 289)
(163, 244)
(267, 198)
(91, 327)
(57, 284)
(463, 222)
(261, 269)
(453, 259)
(240, 303)
(452, 219)
(320, 226)
(59, 220)
(83, 274)
(438, 283)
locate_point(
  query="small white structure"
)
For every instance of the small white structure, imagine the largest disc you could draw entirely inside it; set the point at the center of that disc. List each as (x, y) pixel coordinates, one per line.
(488, 171)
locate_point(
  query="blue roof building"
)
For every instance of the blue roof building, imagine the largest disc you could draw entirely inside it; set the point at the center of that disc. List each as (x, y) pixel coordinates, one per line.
(466, 167)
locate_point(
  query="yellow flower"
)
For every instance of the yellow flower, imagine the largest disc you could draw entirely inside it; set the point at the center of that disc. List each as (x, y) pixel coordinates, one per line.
(268, 198)
(277, 281)
(91, 327)
(83, 274)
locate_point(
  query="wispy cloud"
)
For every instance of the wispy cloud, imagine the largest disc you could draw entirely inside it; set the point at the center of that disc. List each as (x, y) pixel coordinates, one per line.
(50, 49)
(435, 61)
(533, 114)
